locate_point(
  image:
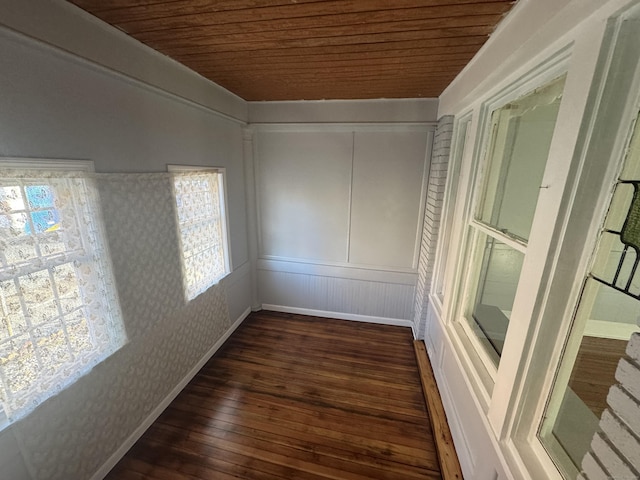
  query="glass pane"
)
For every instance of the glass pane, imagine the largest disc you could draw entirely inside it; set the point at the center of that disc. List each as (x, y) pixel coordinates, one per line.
(497, 281)
(11, 199)
(449, 205)
(520, 142)
(606, 317)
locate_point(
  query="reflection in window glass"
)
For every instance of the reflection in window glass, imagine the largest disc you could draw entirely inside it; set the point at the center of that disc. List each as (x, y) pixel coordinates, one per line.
(521, 138)
(519, 143)
(498, 277)
(606, 317)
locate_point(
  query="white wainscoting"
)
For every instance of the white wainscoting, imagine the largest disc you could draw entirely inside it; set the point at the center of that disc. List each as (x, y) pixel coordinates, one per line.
(476, 445)
(337, 291)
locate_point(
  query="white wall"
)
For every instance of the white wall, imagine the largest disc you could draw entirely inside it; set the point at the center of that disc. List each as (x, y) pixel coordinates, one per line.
(74, 88)
(69, 28)
(340, 205)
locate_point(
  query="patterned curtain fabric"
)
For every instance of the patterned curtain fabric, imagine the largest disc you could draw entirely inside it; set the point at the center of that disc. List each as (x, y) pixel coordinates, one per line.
(58, 304)
(201, 224)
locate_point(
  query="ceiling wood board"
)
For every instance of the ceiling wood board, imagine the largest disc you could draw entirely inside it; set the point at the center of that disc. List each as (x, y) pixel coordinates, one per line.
(313, 49)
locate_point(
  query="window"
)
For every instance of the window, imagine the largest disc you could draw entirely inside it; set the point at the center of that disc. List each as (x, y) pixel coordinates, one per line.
(520, 134)
(460, 142)
(606, 317)
(60, 313)
(202, 223)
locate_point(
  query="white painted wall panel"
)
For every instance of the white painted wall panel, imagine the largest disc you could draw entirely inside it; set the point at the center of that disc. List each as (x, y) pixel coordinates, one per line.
(390, 110)
(303, 194)
(339, 295)
(340, 208)
(388, 175)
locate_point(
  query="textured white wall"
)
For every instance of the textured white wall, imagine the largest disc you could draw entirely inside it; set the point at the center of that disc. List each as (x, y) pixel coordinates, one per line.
(57, 105)
(66, 26)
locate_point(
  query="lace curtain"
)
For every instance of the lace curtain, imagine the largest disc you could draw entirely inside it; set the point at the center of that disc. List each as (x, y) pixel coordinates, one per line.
(199, 200)
(60, 314)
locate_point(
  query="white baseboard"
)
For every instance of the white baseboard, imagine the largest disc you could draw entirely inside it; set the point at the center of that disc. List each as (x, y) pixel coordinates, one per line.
(339, 315)
(133, 438)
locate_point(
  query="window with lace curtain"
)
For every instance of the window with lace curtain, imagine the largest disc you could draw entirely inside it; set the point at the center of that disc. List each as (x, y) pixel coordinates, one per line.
(202, 224)
(60, 314)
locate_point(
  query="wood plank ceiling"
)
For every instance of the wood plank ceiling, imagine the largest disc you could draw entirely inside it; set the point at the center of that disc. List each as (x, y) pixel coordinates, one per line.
(313, 49)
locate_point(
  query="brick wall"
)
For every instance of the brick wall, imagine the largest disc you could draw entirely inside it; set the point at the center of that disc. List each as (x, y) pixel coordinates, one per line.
(432, 214)
(615, 448)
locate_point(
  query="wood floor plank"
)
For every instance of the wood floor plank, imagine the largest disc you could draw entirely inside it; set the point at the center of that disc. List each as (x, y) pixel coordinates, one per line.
(444, 441)
(348, 419)
(274, 409)
(319, 382)
(358, 444)
(355, 358)
(307, 365)
(295, 397)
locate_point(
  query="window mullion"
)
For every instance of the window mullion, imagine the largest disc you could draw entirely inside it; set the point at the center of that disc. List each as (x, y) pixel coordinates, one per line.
(37, 265)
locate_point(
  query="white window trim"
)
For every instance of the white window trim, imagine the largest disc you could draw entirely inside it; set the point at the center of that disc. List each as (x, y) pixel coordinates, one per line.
(47, 164)
(461, 144)
(474, 165)
(596, 185)
(512, 420)
(174, 168)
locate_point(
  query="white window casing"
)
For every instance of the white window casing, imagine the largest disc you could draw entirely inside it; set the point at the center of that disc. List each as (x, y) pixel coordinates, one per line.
(600, 99)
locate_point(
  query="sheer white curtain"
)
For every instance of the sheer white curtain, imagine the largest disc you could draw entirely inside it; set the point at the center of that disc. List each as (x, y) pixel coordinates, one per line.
(60, 314)
(201, 221)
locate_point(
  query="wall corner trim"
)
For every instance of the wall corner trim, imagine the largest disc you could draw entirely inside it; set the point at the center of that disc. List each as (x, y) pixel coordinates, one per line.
(147, 422)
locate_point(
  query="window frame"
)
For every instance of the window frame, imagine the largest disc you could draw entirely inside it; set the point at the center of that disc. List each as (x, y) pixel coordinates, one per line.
(462, 137)
(223, 199)
(82, 166)
(479, 363)
(514, 406)
(606, 132)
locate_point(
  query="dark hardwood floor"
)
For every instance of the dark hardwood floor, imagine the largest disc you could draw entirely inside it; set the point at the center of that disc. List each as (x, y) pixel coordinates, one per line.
(295, 397)
(595, 370)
